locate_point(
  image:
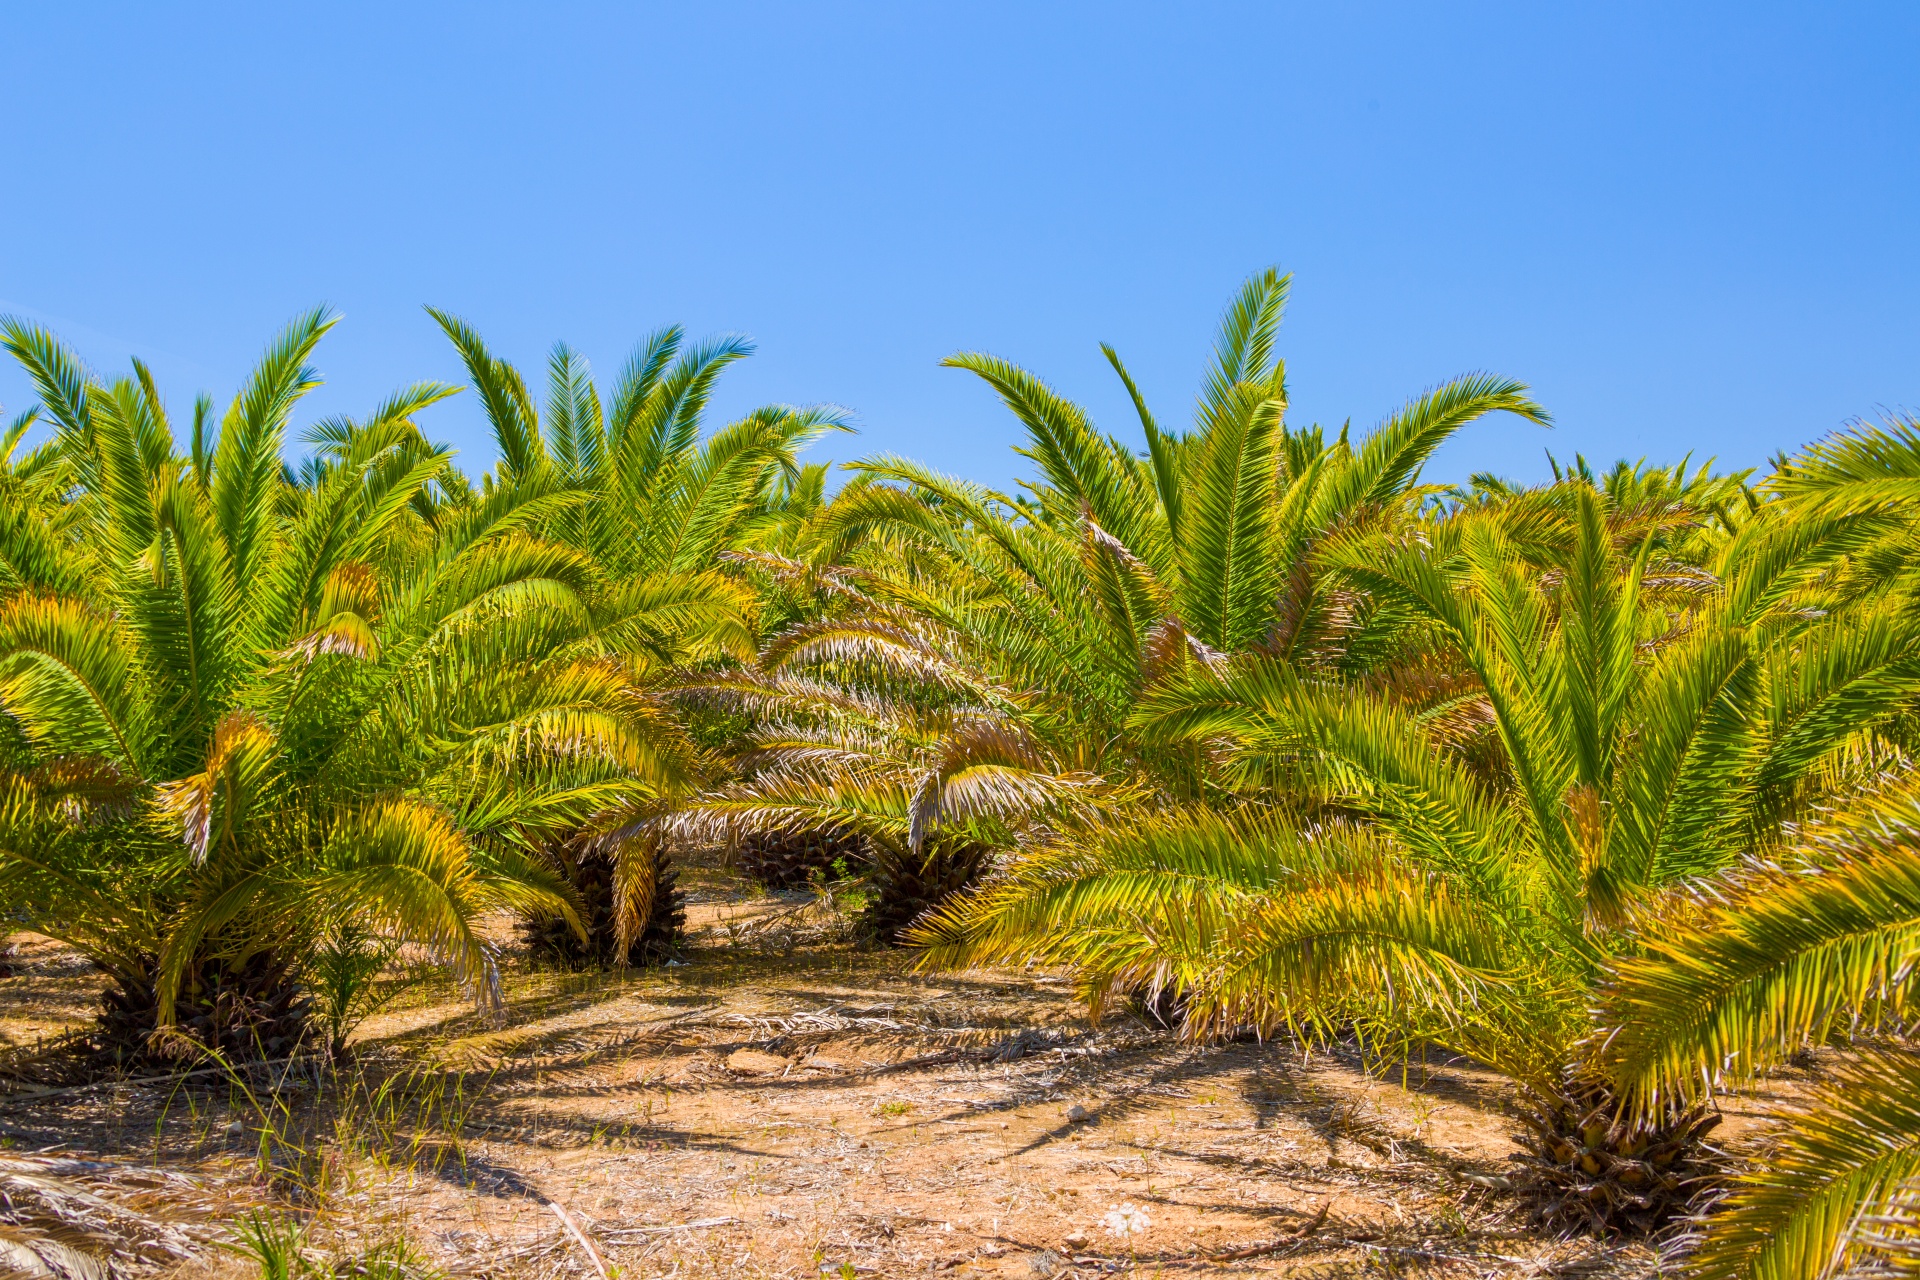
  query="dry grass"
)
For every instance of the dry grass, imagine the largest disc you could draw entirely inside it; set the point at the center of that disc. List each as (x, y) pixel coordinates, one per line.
(783, 1105)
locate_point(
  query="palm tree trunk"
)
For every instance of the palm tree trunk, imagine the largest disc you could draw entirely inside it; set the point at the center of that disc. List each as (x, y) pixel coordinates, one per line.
(244, 1010)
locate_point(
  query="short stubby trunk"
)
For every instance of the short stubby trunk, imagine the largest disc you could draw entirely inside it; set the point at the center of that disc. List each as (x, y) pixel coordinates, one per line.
(791, 859)
(660, 934)
(906, 889)
(1588, 1171)
(245, 1011)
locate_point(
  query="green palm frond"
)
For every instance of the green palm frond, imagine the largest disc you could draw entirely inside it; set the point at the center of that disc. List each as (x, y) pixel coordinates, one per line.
(1253, 917)
(1230, 568)
(413, 872)
(247, 458)
(575, 421)
(1084, 469)
(1163, 449)
(69, 679)
(503, 394)
(62, 384)
(1390, 457)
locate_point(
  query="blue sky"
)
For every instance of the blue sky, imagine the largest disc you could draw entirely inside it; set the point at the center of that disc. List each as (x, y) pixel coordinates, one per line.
(1690, 227)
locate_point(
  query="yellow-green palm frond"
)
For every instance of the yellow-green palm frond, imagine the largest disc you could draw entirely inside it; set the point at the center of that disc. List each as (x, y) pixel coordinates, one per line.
(209, 807)
(67, 677)
(584, 732)
(514, 571)
(1230, 563)
(576, 428)
(1870, 464)
(838, 581)
(683, 619)
(1829, 1167)
(721, 491)
(1340, 745)
(357, 514)
(1129, 600)
(247, 458)
(1252, 917)
(534, 809)
(1391, 456)
(1069, 901)
(1243, 346)
(1082, 470)
(503, 395)
(39, 551)
(409, 870)
(1379, 940)
(1778, 958)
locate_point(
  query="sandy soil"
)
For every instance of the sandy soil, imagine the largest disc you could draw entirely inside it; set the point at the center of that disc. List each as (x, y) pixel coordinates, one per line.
(785, 1105)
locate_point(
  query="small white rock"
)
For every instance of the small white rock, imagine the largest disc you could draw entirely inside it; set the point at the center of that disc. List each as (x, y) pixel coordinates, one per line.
(1076, 1113)
(1076, 1239)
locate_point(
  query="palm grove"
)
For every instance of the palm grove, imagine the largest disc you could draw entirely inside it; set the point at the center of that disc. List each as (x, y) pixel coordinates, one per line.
(1605, 782)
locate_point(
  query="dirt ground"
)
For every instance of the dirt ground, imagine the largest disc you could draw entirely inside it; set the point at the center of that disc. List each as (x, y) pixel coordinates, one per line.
(783, 1105)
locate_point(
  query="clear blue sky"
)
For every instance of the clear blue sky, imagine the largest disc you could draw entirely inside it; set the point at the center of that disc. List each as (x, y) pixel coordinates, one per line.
(1688, 226)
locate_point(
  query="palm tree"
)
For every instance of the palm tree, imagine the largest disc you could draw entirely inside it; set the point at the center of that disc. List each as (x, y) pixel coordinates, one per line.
(1122, 569)
(1459, 860)
(655, 503)
(247, 719)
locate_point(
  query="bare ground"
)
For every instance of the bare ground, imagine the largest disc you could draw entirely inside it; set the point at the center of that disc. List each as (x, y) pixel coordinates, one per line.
(784, 1105)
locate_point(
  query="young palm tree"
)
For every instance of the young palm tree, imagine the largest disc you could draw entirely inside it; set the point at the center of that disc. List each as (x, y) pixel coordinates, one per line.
(245, 719)
(655, 504)
(1650, 722)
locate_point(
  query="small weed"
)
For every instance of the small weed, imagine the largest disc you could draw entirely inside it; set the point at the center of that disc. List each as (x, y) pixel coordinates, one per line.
(397, 1258)
(1451, 1221)
(276, 1245)
(892, 1108)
